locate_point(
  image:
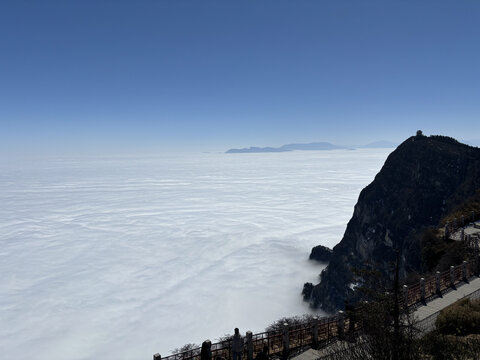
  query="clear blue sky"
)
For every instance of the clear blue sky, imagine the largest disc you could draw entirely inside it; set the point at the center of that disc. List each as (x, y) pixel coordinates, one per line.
(158, 74)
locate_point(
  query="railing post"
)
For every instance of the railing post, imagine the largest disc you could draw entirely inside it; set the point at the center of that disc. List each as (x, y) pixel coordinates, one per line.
(478, 259)
(157, 356)
(452, 276)
(328, 331)
(464, 271)
(249, 344)
(341, 325)
(268, 341)
(447, 230)
(209, 349)
(422, 289)
(405, 295)
(351, 321)
(437, 283)
(286, 341)
(206, 352)
(315, 331)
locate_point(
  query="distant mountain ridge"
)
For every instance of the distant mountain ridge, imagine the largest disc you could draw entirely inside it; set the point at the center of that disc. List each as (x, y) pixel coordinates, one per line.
(380, 144)
(309, 147)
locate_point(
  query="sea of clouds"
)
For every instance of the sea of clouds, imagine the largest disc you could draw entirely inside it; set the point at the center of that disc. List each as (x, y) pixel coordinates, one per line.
(123, 257)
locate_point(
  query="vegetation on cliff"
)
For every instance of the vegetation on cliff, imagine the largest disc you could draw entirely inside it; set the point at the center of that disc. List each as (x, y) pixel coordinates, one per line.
(456, 336)
(457, 332)
(438, 252)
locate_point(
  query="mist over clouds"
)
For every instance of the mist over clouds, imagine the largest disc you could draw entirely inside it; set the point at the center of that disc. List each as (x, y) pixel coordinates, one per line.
(119, 258)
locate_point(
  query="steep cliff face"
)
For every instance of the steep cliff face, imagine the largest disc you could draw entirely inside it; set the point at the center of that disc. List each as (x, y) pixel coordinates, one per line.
(423, 179)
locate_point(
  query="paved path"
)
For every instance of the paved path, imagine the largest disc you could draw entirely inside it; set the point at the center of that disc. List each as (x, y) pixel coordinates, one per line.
(425, 314)
(449, 298)
(472, 229)
(310, 354)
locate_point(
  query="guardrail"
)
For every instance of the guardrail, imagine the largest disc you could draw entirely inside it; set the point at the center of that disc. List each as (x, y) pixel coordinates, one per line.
(455, 224)
(440, 282)
(319, 332)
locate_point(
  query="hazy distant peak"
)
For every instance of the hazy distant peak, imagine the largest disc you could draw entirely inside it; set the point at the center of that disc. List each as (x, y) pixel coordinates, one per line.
(381, 144)
(323, 145)
(312, 146)
(254, 149)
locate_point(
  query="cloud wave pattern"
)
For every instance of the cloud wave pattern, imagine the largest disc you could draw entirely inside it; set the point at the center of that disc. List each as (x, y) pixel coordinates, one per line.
(122, 257)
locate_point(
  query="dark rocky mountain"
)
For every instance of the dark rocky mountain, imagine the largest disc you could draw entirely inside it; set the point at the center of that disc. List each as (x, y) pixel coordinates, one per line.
(420, 182)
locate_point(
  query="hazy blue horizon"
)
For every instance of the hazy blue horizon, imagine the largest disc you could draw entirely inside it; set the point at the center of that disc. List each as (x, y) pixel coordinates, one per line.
(101, 153)
(106, 76)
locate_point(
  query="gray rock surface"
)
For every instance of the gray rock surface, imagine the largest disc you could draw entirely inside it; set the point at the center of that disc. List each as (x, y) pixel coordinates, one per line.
(421, 181)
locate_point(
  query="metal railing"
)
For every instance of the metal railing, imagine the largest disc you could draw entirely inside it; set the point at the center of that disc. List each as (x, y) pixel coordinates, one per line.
(320, 332)
(440, 282)
(457, 223)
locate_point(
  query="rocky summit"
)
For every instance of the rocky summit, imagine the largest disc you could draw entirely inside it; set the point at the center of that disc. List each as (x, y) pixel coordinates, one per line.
(420, 182)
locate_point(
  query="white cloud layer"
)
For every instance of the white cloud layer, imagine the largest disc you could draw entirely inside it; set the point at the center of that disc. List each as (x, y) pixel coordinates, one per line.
(119, 258)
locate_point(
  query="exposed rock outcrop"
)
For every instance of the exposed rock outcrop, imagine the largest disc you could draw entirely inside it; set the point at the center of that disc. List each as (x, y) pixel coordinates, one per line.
(423, 179)
(321, 253)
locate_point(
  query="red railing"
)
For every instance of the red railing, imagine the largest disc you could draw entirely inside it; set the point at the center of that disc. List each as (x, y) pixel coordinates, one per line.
(456, 224)
(445, 280)
(302, 334)
(414, 295)
(414, 292)
(430, 287)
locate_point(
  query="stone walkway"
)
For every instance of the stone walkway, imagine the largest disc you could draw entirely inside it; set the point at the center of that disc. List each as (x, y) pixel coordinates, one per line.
(424, 314)
(427, 314)
(472, 229)
(449, 298)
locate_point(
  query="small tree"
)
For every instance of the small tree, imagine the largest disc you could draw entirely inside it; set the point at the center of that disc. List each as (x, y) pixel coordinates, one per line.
(184, 348)
(386, 328)
(457, 332)
(294, 320)
(225, 337)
